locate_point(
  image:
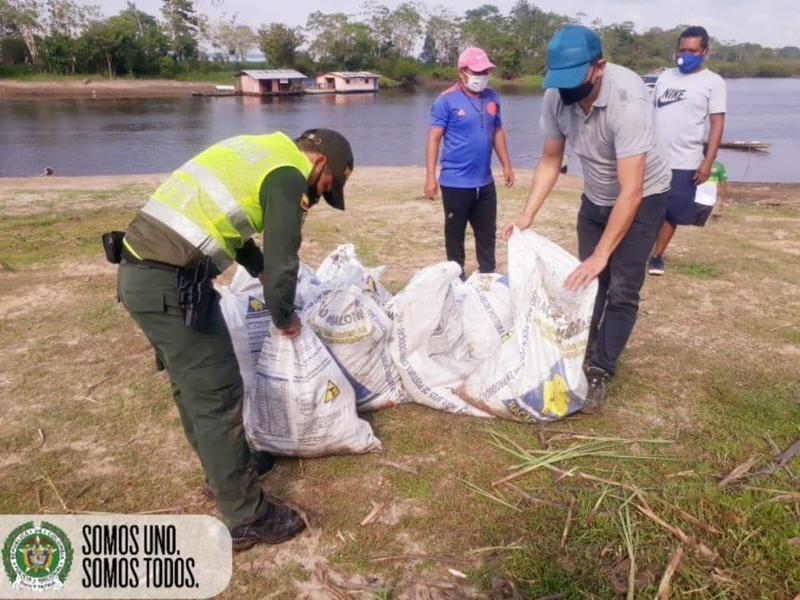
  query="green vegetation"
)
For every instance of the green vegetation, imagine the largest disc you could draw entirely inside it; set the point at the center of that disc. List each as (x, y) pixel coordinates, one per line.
(64, 37)
(28, 239)
(696, 269)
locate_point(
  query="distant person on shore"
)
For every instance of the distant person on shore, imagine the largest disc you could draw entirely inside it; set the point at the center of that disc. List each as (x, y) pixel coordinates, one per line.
(689, 98)
(467, 116)
(192, 228)
(606, 114)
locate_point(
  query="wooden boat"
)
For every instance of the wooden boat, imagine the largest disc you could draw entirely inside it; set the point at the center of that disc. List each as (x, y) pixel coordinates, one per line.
(755, 145)
(219, 90)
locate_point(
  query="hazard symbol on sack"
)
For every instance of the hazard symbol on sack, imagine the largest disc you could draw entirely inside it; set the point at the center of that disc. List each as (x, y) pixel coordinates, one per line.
(254, 305)
(332, 392)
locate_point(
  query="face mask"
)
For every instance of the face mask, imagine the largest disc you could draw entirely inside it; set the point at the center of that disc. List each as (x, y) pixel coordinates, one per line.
(573, 95)
(477, 83)
(312, 195)
(688, 62)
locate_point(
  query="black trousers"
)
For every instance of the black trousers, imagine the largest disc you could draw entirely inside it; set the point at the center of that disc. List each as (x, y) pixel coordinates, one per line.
(478, 207)
(617, 301)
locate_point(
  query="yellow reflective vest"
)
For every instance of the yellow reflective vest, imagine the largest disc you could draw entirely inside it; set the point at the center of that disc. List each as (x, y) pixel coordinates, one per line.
(213, 200)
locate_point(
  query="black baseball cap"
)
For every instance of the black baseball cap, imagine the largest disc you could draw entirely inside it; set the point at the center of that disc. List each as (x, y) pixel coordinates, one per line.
(335, 147)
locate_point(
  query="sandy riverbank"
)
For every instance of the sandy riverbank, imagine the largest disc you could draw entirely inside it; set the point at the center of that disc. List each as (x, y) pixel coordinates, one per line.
(17, 89)
(365, 180)
(13, 89)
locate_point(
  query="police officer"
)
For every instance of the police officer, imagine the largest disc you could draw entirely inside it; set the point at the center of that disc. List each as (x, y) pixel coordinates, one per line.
(195, 224)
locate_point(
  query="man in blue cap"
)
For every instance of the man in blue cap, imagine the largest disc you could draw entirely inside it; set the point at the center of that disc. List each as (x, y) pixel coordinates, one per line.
(606, 114)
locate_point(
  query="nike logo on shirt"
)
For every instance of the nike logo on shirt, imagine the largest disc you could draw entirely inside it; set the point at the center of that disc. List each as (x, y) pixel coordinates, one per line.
(662, 103)
(670, 96)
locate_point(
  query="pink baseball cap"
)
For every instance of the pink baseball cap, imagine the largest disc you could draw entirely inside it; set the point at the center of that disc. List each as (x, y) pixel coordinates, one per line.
(475, 60)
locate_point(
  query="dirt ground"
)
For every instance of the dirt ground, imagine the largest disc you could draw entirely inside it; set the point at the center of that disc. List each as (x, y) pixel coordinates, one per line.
(11, 89)
(710, 373)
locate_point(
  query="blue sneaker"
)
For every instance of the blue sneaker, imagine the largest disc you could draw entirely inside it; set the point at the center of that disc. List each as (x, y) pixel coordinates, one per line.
(656, 266)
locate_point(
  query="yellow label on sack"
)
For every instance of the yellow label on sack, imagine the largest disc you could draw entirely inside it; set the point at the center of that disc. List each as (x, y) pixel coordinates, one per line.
(332, 392)
(556, 397)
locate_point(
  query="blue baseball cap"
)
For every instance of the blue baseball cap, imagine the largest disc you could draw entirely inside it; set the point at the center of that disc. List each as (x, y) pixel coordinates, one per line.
(569, 53)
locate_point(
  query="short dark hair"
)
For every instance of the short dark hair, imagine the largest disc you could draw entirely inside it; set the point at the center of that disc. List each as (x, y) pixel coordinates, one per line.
(695, 31)
(306, 145)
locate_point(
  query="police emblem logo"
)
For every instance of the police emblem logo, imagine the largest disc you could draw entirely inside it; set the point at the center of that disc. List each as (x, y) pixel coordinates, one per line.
(37, 558)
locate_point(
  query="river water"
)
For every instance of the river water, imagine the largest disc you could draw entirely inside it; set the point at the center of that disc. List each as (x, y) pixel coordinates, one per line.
(101, 137)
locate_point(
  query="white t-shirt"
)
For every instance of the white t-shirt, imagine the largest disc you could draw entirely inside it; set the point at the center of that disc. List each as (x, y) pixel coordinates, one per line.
(683, 104)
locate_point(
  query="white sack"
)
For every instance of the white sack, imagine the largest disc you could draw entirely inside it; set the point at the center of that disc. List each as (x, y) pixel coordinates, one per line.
(356, 331)
(487, 315)
(342, 266)
(303, 404)
(537, 374)
(314, 413)
(427, 341)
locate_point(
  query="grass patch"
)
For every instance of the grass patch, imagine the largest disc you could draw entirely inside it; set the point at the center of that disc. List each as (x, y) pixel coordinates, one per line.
(526, 83)
(220, 77)
(694, 269)
(413, 486)
(30, 239)
(26, 73)
(790, 335)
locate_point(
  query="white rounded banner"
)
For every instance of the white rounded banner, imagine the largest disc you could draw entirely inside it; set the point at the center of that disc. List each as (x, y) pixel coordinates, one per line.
(114, 556)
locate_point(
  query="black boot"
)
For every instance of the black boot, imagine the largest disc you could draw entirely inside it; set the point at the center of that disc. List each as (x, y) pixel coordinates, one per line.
(279, 525)
(598, 379)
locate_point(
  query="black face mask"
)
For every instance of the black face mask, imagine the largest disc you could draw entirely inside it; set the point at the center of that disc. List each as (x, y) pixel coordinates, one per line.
(312, 194)
(576, 94)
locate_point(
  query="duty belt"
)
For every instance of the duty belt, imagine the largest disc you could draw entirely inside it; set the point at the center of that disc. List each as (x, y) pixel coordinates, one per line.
(128, 257)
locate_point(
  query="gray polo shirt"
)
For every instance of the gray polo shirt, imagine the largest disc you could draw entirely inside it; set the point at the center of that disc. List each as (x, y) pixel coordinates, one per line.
(620, 124)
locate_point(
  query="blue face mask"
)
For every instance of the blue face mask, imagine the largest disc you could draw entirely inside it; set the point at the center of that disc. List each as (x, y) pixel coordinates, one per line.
(688, 62)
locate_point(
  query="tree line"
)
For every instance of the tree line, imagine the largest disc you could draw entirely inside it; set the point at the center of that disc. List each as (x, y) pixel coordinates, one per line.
(68, 37)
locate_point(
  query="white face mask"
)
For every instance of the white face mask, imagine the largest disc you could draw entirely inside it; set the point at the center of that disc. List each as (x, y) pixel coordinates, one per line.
(477, 83)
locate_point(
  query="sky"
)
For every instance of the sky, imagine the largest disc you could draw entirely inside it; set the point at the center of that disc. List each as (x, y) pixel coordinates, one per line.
(773, 23)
